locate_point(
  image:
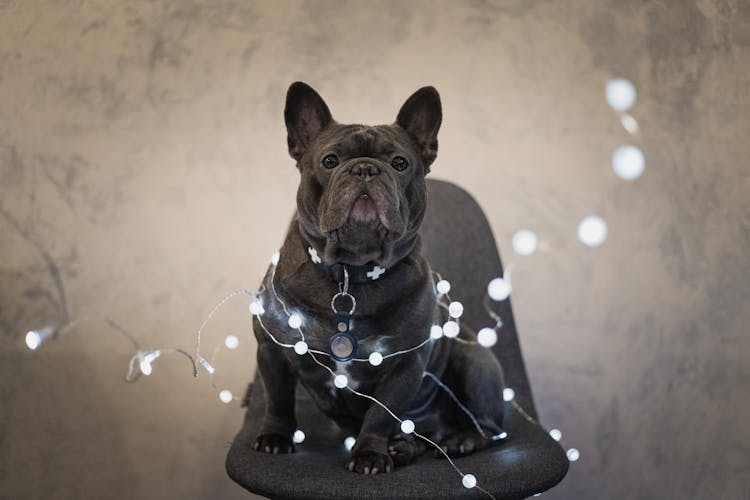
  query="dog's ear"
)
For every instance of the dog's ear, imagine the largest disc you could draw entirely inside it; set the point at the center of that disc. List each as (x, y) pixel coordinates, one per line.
(420, 117)
(305, 114)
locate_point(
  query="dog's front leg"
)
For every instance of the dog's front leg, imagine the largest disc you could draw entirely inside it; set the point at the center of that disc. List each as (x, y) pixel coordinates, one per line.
(396, 391)
(279, 422)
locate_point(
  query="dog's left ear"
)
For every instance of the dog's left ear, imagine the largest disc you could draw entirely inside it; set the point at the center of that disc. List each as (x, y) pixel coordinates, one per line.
(305, 114)
(420, 117)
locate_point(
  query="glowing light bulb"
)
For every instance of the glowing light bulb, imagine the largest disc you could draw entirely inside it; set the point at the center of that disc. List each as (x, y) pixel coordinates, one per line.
(299, 436)
(499, 289)
(210, 369)
(436, 331)
(349, 443)
(487, 337)
(628, 162)
(225, 396)
(145, 358)
(443, 286)
(451, 329)
(256, 308)
(629, 123)
(524, 242)
(340, 381)
(592, 231)
(300, 347)
(145, 367)
(231, 342)
(573, 454)
(455, 309)
(34, 338)
(508, 394)
(469, 481)
(295, 321)
(375, 358)
(407, 426)
(275, 258)
(620, 94)
(556, 434)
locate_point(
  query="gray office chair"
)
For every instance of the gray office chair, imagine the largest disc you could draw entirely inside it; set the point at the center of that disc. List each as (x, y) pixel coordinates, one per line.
(458, 243)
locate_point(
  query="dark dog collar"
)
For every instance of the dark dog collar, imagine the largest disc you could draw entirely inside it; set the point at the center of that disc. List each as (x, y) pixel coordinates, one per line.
(357, 274)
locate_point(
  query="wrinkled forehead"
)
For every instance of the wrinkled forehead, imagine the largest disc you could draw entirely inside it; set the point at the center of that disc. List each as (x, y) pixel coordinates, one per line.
(364, 140)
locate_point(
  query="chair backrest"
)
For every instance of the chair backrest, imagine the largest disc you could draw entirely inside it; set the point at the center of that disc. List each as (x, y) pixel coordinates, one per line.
(459, 244)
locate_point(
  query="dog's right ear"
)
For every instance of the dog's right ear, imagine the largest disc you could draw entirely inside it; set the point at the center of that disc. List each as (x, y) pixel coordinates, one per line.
(305, 114)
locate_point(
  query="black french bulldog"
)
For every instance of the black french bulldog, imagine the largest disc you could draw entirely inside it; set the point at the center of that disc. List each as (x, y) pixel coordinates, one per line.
(361, 201)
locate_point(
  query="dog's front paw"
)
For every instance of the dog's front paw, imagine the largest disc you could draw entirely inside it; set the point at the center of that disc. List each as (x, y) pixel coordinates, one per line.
(403, 449)
(369, 462)
(273, 443)
(462, 443)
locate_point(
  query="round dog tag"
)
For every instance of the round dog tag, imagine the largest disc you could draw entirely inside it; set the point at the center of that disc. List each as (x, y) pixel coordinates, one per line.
(342, 346)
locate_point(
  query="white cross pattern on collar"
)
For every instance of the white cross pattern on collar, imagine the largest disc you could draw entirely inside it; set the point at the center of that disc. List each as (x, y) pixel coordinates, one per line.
(313, 255)
(375, 273)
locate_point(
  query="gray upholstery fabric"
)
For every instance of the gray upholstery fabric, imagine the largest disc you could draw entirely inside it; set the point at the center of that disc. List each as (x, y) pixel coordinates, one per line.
(459, 244)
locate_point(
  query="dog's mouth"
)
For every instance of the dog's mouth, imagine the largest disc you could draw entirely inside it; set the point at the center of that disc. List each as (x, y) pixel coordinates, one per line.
(364, 209)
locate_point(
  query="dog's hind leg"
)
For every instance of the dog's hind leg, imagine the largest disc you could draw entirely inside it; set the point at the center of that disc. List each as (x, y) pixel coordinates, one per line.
(475, 379)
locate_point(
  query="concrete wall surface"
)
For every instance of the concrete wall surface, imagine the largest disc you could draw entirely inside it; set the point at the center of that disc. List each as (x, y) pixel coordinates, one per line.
(144, 174)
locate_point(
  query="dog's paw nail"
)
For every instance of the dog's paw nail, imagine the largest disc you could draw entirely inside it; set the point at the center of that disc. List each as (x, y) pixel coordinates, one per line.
(350, 466)
(374, 471)
(275, 450)
(461, 449)
(391, 448)
(267, 449)
(367, 471)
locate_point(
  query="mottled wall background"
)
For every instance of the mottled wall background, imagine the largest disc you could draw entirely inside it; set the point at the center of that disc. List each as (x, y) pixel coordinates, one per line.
(143, 156)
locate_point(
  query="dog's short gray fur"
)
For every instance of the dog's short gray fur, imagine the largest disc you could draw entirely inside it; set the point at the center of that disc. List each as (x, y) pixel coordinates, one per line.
(393, 313)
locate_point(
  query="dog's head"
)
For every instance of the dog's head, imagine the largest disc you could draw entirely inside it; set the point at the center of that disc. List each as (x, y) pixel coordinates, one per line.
(362, 191)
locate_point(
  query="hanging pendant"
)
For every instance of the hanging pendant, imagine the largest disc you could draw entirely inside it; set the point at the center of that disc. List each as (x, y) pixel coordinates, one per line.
(342, 345)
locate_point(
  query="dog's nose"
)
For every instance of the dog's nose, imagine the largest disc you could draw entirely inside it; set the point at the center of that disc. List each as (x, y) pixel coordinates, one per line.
(365, 170)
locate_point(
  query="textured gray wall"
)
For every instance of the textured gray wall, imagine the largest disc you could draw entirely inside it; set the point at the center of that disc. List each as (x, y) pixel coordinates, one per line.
(142, 156)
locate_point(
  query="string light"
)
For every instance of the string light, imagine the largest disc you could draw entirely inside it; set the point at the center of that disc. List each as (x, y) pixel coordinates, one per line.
(592, 231)
(295, 321)
(256, 308)
(300, 347)
(407, 426)
(573, 454)
(34, 338)
(340, 381)
(375, 358)
(231, 342)
(349, 443)
(487, 337)
(555, 434)
(451, 329)
(298, 437)
(225, 396)
(524, 242)
(443, 286)
(620, 94)
(469, 481)
(455, 309)
(628, 162)
(499, 289)
(436, 331)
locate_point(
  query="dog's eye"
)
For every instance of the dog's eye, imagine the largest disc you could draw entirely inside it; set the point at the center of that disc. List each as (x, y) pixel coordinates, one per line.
(399, 163)
(330, 161)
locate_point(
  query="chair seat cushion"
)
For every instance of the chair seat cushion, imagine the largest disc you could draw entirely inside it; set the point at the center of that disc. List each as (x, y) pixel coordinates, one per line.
(526, 462)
